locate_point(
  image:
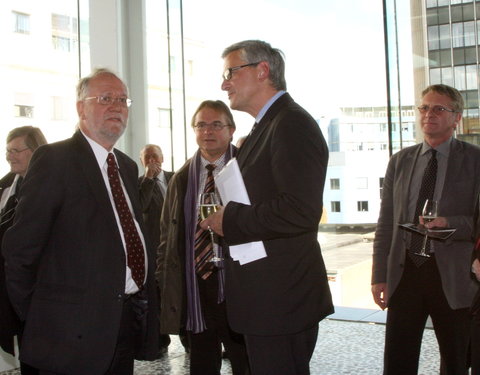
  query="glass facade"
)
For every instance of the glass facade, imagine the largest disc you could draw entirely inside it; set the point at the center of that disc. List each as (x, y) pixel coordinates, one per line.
(358, 67)
(451, 55)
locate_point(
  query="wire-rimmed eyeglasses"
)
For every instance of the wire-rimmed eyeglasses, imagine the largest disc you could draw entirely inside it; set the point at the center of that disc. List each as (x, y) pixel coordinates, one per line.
(109, 100)
(436, 109)
(216, 126)
(227, 74)
(15, 151)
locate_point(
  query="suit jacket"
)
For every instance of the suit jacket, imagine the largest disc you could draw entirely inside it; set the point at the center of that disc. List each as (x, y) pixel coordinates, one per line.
(65, 261)
(283, 163)
(457, 203)
(151, 200)
(9, 322)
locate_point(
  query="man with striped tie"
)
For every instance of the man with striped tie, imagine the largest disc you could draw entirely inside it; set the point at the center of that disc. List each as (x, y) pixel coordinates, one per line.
(191, 284)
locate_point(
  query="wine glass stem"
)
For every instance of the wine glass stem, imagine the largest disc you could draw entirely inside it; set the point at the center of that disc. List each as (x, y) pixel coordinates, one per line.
(213, 243)
(424, 247)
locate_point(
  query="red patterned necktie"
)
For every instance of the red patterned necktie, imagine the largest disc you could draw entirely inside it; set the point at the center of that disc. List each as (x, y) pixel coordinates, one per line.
(203, 243)
(133, 243)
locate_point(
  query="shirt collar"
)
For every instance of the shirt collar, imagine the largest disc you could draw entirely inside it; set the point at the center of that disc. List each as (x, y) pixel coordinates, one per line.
(99, 151)
(268, 105)
(219, 162)
(443, 148)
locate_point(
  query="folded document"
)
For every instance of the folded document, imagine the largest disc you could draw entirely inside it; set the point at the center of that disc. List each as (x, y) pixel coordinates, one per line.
(230, 185)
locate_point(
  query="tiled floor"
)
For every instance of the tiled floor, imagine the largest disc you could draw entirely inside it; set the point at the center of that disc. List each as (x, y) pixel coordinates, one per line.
(343, 347)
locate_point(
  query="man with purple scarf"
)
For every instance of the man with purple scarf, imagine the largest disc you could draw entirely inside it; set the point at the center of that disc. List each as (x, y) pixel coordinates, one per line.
(190, 298)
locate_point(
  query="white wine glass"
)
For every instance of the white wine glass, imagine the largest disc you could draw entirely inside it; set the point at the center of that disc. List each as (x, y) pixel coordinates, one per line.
(429, 213)
(209, 204)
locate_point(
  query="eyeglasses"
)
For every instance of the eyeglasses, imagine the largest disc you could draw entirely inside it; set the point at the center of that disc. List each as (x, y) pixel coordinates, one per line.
(227, 74)
(110, 100)
(436, 109)
(216, 125)
(14, 151)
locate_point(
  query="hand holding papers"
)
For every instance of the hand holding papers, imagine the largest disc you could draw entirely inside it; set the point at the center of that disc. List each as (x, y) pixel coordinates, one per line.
(230, 185)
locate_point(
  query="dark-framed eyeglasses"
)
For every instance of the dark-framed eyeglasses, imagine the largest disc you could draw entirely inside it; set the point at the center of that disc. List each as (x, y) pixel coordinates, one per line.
(109, 100)
(436, 109)
(216, 126)
(228, 73)
(15, 151)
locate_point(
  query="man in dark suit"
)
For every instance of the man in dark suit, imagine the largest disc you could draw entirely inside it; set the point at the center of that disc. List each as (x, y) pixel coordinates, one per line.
(153, 187)
(414, 287)
(192, 285)
(21, 143)
(277, 301)
(75, 255)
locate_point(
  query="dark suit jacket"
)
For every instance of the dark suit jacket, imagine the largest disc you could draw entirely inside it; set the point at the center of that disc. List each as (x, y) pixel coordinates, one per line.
(65, 261)
(9, 322)
(152, 202)
(453, 257)
(283, 163)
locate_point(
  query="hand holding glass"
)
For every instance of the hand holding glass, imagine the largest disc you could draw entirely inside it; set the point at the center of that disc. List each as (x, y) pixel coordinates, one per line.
(209, 204)
(429, 213)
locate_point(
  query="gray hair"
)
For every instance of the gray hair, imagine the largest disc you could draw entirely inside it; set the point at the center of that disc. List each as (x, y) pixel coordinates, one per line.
(452, 93)
(151, 145)
(82, 86)
(253, 51)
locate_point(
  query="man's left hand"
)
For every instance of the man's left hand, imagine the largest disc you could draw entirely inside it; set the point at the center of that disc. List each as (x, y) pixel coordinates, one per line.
(214, 222)
(438, 222)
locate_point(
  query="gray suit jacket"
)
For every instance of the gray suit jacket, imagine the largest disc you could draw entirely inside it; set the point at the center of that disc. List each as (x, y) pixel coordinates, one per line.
(453, 257)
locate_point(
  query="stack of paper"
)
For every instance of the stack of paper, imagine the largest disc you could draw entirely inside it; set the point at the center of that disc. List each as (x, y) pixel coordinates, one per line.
(230, 185)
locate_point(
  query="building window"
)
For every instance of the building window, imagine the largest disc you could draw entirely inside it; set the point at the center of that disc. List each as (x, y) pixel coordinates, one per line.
(64, 33)
(23, 110)
(21, 23)
(335, 206)
(362, 206)
(380, 185)
(164, 118)
(334, 184)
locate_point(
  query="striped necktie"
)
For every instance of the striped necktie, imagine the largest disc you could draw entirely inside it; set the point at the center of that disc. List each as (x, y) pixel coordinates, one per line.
(203, 245)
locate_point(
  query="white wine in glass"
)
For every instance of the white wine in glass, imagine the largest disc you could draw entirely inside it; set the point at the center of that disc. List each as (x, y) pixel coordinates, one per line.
(209, 203)
(429, 213)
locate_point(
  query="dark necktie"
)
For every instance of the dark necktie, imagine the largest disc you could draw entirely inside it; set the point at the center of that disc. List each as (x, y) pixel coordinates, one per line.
(203, 243)
(133, 243)
(426, 192)
(157, 188)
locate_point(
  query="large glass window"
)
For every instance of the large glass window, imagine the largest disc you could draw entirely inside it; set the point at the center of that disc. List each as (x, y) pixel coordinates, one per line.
(41, 68)
(338, 56)
(185, 66)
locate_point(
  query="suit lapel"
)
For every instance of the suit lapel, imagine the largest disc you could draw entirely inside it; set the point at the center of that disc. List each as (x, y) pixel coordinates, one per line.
(455, 165)
(261, 128)
(87, 163)
(407, 167)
